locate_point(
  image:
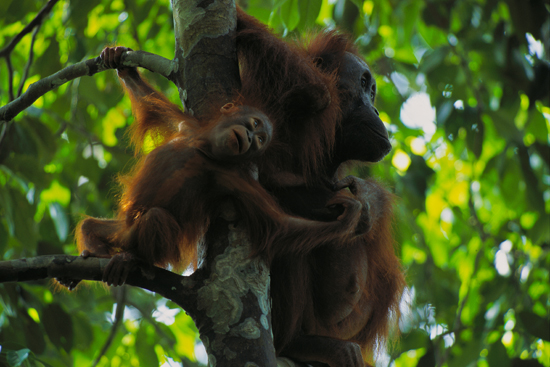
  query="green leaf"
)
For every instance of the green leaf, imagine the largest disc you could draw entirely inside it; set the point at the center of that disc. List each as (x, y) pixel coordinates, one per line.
(309, 11)
(34, 334)
(535, 325)
(83, 331)
(26, 229)
(468, 121)
(144, 349)
(416, 339)
(358, 3)
(534, 195)
(505, 126)
(537, 126)
(498, 357)
(290, 14)
(405, 55)
(518, 362)
(4, 5)
(45, 139)
(540, 233)
(60, 219)
(278, 3)
(48, 63)
(437, 13)
(59, 326)
(469, 354)
(6, 205)
(17, 357)
(79, 10)
(432, 59)
(475, 136)
(428, 359)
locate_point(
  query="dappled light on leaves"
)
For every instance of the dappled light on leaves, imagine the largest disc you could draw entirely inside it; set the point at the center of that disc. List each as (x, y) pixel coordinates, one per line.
(463, 89)
(418, 113)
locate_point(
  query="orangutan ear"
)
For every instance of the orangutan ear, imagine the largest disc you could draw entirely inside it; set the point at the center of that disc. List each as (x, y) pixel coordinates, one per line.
(227, 108)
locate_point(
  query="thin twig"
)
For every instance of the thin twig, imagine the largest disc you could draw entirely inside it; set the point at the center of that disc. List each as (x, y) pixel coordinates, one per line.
(4, 128)
(37, 20)
(171, 342)
(10, 78)
(119, 314)
(135, 33)
(29, 61)
(477, 223)
(152, 62)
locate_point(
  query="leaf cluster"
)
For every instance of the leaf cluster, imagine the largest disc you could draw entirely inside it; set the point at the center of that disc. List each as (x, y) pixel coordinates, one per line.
(463, 86)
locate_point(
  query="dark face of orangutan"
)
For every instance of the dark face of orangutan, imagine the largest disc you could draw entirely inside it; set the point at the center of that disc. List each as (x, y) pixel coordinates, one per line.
(241, 132)
(364, 134)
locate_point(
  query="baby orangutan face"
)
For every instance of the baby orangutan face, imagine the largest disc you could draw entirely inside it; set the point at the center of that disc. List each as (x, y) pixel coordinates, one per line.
(241, 132)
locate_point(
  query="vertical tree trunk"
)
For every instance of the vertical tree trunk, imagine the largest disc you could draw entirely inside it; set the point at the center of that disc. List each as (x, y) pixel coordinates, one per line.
(206, 54)
(233, 311)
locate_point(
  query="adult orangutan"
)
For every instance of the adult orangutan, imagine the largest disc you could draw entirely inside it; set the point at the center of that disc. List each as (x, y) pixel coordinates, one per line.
(320, 98)
(337, 300)
(347, 292)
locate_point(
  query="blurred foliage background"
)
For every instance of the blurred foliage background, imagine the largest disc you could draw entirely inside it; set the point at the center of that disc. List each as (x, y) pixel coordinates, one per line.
(464, 88)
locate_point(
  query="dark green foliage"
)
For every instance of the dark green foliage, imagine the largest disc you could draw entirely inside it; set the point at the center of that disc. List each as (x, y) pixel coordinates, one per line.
(473, 186)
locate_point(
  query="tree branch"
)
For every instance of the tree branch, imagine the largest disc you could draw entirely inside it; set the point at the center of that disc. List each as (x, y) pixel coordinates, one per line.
(169, 285)
(149, 61)
(36, 21)
(177, 288)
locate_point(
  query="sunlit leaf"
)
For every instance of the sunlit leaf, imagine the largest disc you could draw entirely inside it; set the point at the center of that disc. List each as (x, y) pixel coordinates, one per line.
(144, 349)
(538, 126)
(56, 193)
(112, 121)
(60, 220)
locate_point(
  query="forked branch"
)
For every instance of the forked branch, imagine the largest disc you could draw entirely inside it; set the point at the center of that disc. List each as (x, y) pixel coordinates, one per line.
(152, 62)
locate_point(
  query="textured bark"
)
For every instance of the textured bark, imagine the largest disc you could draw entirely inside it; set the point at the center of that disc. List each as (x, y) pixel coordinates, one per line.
(233, 304)
(208, 73)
